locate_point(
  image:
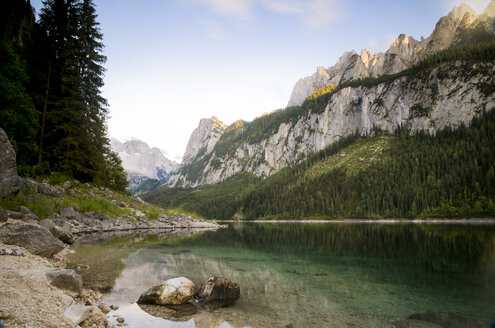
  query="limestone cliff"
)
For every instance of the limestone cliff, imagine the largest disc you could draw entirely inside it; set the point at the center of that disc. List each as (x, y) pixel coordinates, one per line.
(203, 139)
(444, 96)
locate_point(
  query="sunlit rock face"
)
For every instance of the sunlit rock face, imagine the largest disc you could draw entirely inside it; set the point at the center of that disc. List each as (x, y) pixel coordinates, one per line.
(203, 139)
(404, 52)
(438, 99)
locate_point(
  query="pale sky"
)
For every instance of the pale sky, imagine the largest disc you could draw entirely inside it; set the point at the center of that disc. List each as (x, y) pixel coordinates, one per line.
(172, 62)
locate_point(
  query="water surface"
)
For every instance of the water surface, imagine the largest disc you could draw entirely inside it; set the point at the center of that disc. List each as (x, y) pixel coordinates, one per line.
(305, 275)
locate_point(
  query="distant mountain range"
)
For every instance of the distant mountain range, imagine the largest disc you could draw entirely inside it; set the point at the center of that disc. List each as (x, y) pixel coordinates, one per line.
(141, 162)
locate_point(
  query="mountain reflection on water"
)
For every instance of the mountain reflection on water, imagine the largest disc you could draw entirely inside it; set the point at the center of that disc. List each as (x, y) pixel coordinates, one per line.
(300, 275)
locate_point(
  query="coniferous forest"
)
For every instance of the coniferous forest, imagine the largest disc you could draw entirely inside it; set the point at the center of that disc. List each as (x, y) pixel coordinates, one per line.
(449, 174)
(51, 105)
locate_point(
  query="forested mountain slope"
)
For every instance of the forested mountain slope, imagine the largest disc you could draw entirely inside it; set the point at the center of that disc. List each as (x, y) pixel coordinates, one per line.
(449, 174)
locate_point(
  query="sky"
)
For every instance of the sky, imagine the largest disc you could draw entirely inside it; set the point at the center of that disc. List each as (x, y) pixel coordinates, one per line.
(172, 62)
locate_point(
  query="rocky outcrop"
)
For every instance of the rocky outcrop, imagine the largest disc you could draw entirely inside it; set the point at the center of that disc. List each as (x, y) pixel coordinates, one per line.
(9, 180)
(65, 279)
(173, 292)
(443, 96)
(35, 238)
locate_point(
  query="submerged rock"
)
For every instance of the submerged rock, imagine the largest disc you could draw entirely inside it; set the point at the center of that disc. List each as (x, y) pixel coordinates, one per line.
(66, 279)
(415, 324)
(218, 292)
(445, 320)
(177, 313)
(35, 238)
(172, 292)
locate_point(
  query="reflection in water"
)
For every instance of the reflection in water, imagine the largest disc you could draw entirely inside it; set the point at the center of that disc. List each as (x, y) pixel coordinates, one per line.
(310, 274)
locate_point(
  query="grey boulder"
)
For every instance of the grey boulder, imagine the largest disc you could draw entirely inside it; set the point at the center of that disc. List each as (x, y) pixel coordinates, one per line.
(62, 234)
(35, 238)
(9, 179)
(218, 289)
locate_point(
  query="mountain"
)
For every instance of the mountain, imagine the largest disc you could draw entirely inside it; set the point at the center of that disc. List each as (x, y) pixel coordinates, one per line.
(458, 27)
(141, 162)
(422, 86)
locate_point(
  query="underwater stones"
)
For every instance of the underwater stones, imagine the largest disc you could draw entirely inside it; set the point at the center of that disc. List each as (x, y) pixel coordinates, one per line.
(176, 313)
(436, 320)
(445, 320)
(172, 292)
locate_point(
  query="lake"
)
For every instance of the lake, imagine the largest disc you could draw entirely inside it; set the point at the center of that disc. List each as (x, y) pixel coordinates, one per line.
(303, 275)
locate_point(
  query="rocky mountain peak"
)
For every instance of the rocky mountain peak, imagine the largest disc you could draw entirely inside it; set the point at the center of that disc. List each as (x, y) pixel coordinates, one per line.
(490, 10)
(138, 158)
(203, 138)
(458, 12)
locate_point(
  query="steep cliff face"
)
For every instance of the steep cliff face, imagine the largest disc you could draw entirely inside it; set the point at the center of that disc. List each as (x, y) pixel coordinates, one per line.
(448, 95)
(457, 27)
(203, 139)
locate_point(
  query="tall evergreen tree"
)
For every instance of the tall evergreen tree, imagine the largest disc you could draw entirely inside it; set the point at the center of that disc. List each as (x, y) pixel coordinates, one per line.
(18, 116)
(73, 134)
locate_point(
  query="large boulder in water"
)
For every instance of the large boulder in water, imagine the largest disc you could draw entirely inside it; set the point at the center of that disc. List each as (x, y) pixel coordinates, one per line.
(172, 292)
(35, 238)
(218, 289)
(9, 179)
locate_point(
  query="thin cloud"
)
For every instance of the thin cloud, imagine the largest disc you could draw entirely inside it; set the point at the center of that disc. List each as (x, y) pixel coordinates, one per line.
(314, 13)
(478, 5)
(323, 12)
(240, 8)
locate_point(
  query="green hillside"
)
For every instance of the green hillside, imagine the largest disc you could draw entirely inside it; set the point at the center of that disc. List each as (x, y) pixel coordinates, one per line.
(450, 174)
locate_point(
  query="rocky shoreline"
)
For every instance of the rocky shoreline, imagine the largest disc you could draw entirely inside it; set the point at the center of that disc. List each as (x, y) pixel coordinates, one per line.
(38, 223)
(35, 288)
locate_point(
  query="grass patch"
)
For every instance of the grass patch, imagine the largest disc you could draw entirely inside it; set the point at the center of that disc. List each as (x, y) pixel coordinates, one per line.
(353, 158)
(84, 204)
(153, 212)
(40, 205)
